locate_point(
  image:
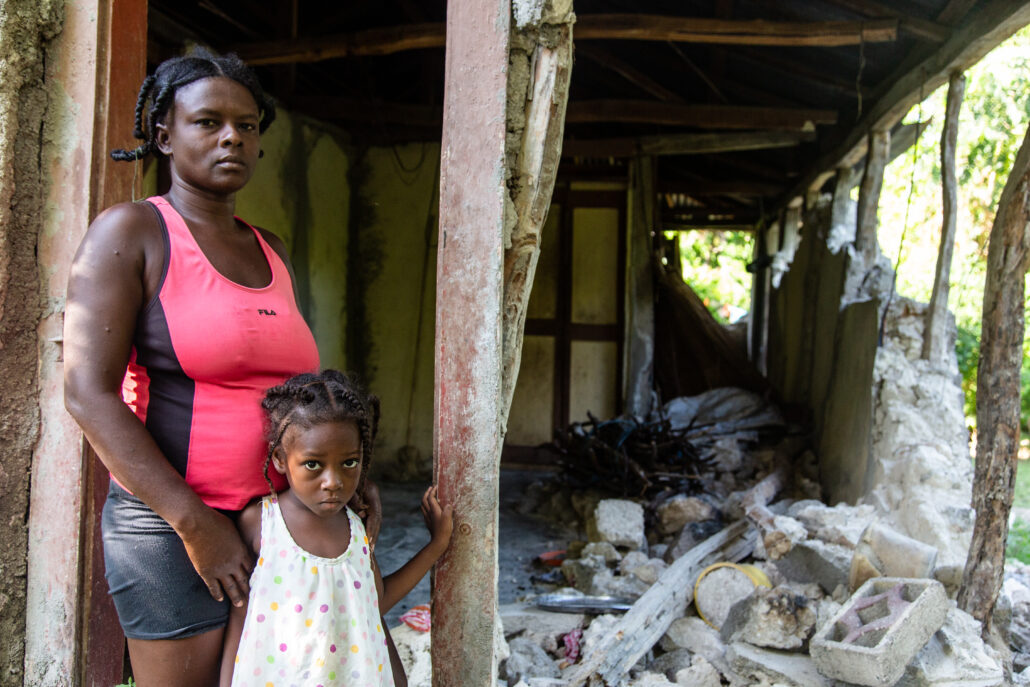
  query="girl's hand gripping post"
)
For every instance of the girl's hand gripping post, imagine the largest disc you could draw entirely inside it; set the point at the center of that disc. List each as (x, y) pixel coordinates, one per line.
(439, 520)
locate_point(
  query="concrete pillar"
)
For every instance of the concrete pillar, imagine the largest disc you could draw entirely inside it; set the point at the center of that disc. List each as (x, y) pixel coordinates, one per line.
(467, 432)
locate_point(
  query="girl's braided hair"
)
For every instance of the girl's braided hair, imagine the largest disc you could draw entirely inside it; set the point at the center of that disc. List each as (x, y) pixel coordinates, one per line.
(158, 90)
(310, 399)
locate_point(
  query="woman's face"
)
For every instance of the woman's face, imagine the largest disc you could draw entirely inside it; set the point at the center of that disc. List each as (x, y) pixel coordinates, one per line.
(210, 135)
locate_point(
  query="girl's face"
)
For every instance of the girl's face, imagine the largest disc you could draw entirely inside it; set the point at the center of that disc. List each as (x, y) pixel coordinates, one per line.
(211, 134)
(322, 464)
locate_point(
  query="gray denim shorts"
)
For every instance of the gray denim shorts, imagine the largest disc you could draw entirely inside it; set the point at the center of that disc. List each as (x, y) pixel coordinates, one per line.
(156, 591)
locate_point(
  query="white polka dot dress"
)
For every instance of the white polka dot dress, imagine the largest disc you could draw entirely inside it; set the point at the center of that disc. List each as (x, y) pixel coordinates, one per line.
(311, 621)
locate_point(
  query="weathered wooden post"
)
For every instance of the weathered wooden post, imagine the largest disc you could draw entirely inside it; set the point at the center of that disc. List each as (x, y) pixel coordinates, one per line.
(997, 398)
(467, 430)
(933, 329)
(869, 196)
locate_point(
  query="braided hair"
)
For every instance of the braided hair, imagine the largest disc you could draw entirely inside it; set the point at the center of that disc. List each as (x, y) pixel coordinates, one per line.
(310, 399)
(158, 90)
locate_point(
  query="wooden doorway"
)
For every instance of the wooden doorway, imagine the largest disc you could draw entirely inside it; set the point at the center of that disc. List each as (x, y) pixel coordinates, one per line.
(572, 358)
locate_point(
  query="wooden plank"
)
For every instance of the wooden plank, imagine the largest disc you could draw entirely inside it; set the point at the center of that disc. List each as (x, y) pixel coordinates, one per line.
(936, 313)
(955, 11)
(394, 39)
(683, 144)
(919, 27)
(467, 432)
(997, 399)
(636, 77)
(994, 23)
(648, 27)
(652, 614)
(702, 116)
(869, 196)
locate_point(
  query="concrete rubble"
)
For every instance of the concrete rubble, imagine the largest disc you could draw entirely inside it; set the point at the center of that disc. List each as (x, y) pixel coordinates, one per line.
(914, 522)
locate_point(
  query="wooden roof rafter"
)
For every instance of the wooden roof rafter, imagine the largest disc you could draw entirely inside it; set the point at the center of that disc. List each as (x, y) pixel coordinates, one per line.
(646, 27)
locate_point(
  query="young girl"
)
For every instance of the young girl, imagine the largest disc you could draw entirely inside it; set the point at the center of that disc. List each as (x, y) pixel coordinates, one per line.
(315, 613)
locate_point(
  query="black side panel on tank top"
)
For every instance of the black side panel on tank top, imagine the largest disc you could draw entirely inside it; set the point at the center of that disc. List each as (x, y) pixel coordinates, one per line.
(171, 391)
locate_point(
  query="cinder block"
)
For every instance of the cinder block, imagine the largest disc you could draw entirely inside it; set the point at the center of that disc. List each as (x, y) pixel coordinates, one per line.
(878, 631)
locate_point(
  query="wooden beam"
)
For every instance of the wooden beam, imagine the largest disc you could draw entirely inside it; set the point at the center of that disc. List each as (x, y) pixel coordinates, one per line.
(467, 430)
(955, 11)
(919, 27)
(796, 69)
(638, 78)
(991, 25)
(708, 188)
(997, 398)
(869, 196)
(648, 27)
(652, 614)
(936, 313)
(683, 144)
(351, 110)
(394, 39)
(703, 116)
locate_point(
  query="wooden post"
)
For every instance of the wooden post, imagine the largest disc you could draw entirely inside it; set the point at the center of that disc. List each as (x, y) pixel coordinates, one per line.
(467, 432)
(933, 329)
(869, 196)
(997, 383)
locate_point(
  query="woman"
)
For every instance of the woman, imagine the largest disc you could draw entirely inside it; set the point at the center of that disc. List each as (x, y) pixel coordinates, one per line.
(179, 316)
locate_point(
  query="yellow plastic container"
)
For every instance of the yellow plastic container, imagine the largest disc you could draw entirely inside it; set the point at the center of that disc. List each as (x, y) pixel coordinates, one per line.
(755, 574)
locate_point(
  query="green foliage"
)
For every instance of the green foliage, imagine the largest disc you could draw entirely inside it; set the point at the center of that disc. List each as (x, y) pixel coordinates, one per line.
(993, 120)
(713, 263)
(1018, 544)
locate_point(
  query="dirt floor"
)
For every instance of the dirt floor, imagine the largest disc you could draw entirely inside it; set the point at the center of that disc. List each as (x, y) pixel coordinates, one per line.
(522, 537)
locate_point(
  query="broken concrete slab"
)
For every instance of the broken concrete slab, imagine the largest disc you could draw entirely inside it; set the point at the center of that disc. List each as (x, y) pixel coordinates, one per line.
(878, 631)
(814, 560)
(528, 660)
(693, 634)
(776, 618)
(751, 664)
(955, 655)
(680, 509)
(521, 617)
(701, 673)
(841, 524)
(884, 551)
(618, 522)
(671, 663)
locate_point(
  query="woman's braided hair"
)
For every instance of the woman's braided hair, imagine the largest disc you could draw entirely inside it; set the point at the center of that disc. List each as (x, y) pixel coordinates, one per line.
(313, 399)
(158, 90)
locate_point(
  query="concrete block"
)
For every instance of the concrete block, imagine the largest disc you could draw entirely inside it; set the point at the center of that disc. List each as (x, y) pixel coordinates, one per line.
(884, 551)
(774, 618)
(620, 523)
(828, 565)
(778, 667)
(878, 631)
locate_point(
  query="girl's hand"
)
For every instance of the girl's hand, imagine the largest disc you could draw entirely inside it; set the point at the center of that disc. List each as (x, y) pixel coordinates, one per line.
(439, 518)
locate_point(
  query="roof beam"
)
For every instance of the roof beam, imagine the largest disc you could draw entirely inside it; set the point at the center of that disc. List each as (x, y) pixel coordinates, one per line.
(910, 24)
(595, 53)
(683, 144)
(647, 27)
(743, 187)
(703, 116)
(988, 27)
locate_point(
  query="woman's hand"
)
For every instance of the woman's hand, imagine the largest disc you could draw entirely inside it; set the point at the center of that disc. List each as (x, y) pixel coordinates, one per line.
(220, 557)
(369, 508)
(439, 519)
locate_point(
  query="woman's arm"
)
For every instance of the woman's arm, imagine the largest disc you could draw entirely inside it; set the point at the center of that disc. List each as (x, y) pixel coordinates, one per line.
(106, 291)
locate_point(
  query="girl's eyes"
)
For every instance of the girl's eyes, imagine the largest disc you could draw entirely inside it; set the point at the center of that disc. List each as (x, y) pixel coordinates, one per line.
(312, 464)
(351, 463)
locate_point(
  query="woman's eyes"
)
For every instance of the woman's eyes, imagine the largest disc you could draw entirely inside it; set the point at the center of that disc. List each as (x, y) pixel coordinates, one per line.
(248, 128)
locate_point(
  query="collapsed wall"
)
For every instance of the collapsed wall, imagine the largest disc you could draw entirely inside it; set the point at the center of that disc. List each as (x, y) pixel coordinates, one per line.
(922, 472)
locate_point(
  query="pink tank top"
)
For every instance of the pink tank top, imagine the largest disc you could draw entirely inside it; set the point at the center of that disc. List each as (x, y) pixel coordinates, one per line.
(204, 352)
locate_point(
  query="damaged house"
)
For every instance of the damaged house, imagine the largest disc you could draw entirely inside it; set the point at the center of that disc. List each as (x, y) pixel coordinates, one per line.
(474, 196)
